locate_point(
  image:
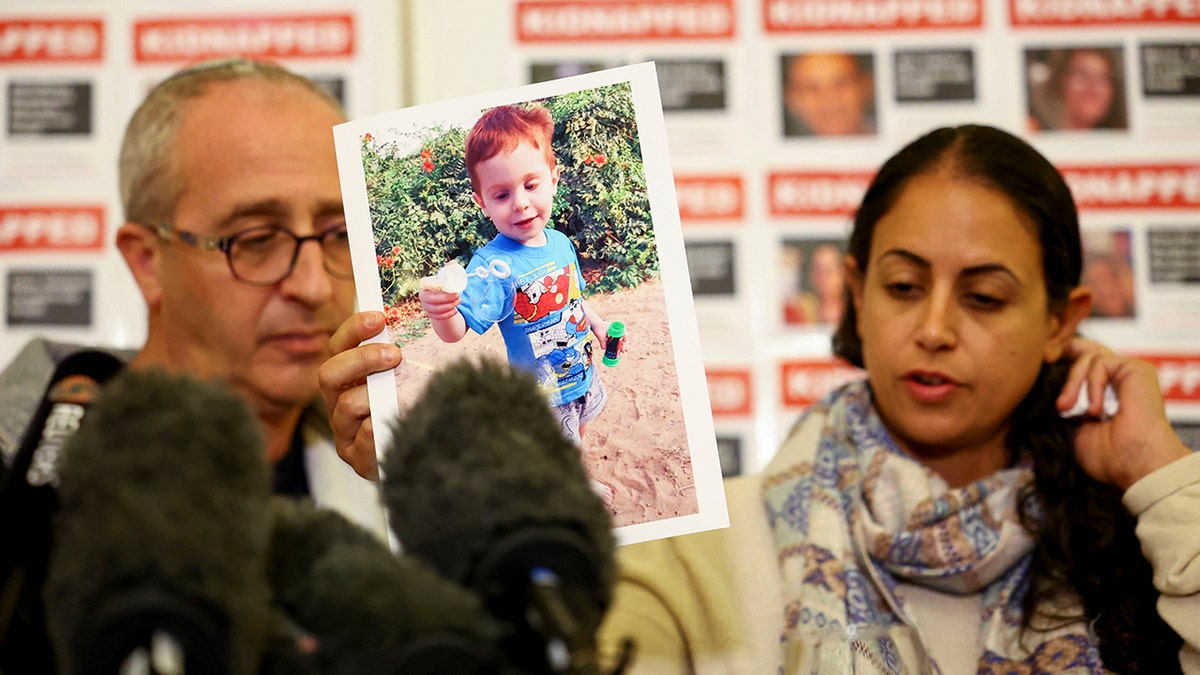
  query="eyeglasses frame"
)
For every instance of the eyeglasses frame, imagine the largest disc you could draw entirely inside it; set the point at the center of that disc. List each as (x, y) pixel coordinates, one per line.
(211, 242)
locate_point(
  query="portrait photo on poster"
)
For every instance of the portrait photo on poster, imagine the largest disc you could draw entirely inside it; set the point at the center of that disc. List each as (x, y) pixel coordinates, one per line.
(537, 226)
(1076, 88)
(828, 93)
(1108, 272)
(812, 281)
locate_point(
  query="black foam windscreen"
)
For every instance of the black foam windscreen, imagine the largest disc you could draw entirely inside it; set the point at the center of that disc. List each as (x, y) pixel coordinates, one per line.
(480, 481)
(163, 529)
(369, 610)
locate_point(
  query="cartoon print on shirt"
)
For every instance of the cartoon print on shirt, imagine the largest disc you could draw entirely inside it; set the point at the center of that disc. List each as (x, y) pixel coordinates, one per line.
(543, 295)
(570, 330)
(563, 349)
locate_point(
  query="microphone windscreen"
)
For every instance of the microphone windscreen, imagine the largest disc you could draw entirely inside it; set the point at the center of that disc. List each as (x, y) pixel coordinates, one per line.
(369, 610)
(28, 500)
(481, 481)
(163, 526)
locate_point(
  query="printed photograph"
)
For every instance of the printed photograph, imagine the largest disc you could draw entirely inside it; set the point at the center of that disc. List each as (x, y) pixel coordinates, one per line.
(1078, 88)
(812, 275)
(828, 94)
(539, 226)
(1108, 271)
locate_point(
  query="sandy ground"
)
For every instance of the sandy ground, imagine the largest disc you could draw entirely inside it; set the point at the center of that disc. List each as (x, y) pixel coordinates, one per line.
(638, 445)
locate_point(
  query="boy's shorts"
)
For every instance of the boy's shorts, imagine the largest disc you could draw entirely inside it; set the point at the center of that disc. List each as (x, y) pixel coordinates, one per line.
(582, 410)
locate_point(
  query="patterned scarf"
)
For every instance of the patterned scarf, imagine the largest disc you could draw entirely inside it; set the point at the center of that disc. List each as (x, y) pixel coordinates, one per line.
(852, 514)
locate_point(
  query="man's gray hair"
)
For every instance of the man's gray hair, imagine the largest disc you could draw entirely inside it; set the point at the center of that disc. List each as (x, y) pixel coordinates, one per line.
(150, 180)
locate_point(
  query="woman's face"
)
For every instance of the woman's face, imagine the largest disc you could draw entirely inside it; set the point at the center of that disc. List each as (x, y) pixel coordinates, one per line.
(1087, 90)
(954, 321)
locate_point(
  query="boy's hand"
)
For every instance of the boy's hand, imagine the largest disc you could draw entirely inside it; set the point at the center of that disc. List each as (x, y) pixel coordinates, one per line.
(343, 381)
(438, 304)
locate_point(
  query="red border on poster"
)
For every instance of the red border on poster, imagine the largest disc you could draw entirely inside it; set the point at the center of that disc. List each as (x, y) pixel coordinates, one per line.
(1134, 186)
(730, 391)
(710, 198)
(565, 21)
(803, 382)
(815, 193)
(51, 228)
(51, 40)
(1078, 13)
(804, 16)
(282, 36)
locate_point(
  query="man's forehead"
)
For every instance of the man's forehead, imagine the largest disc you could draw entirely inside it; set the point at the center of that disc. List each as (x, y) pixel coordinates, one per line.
(283, 211)
(258, 148)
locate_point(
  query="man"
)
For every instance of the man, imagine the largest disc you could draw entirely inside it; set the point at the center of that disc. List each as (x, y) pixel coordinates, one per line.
(235, 236)
(828, 94)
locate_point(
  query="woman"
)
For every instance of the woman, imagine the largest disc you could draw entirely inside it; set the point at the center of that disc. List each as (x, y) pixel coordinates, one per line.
(941, 515)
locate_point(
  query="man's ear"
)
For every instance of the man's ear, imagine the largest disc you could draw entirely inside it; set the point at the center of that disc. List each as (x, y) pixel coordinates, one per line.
(1065, 322)
(142, 251)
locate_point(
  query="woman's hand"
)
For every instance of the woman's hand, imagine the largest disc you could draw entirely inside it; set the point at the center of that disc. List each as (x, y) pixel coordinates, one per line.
(343, 380)
(1121, 449)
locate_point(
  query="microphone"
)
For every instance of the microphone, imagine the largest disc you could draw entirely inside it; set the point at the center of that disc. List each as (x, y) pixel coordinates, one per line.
(368, 610)
(162, 535)
(28, 498)
(480, 481)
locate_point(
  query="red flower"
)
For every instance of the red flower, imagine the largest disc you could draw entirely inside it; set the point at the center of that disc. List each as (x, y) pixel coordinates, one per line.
(428, 166)
(426, 154)
(395, 250)
(391, 315)
(599, 159)
(366, 137)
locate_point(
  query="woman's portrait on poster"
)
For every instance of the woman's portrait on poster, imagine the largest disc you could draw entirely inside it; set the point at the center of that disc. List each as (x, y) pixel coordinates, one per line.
(1076, 88)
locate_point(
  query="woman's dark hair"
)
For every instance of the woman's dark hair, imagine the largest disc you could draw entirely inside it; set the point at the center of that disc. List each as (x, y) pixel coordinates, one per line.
(1085, 535)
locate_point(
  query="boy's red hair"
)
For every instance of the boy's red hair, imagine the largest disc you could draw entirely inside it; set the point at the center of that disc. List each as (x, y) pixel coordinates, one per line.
(503, 128)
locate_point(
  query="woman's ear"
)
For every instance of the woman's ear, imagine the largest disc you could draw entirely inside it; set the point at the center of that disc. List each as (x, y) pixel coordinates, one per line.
(1065, 323)
(854, 284)
(854, 280)
(141, 249)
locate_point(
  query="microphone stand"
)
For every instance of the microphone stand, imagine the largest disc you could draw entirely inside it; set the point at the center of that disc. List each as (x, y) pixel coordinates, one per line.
(563, 632)
(544, 582)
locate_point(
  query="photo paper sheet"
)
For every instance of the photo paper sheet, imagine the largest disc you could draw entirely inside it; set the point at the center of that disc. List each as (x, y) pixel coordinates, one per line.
(412, 215)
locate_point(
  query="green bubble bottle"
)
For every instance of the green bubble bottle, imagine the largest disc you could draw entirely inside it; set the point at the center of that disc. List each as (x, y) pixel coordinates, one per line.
(614, 343)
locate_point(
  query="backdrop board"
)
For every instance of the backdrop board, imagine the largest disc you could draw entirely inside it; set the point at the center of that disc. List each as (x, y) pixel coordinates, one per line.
(71, 74)
(765, 181)
(759, 187)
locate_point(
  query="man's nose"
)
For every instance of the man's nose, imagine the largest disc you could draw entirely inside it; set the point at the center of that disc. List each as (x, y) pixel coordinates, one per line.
(309, 281)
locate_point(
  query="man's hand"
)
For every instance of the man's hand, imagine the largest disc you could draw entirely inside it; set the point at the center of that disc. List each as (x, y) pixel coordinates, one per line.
(343, 380)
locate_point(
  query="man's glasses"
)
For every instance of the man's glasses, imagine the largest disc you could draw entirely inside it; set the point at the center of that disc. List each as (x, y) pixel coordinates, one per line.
(266, 255)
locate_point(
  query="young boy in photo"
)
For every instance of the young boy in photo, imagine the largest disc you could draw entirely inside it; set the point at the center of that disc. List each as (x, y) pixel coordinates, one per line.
(545, 325)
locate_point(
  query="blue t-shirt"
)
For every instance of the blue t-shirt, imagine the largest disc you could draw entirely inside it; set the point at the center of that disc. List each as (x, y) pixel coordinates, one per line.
(539, 309)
